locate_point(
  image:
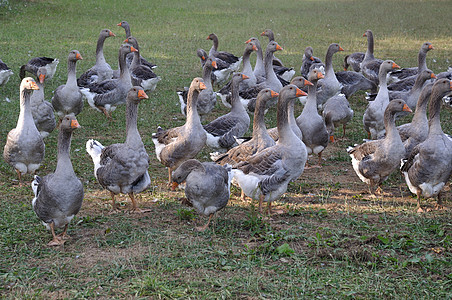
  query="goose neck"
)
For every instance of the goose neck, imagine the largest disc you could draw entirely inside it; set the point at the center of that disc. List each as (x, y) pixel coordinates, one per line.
(123, 69)
(25, 115)
(434, 113)
(285, 133)
(100, 50)
(132, 133)
(370, 46)
(192, 111)
(71, 73)
(64, 164)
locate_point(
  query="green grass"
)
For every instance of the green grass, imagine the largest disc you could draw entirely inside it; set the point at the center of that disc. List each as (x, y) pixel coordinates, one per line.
(331, 242)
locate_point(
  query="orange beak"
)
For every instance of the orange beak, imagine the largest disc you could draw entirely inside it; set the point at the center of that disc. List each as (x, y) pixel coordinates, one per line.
(41, 78)
(311, 58)
(332, 138)
(214, 64)
(254, 48)
(430, 47)
(307, 82)
(174, 185)
(300, 93)
(244, 76)
(433, 76)
(278, 47)
(451, 85)
(142, 95)
(395, 66)
(406, 108)
(133, 49)
(78, 56)
(202, 86)
(208, 38)
(75, 124)
(34, 86)
(126, 40)
(112, 34)
(263, 33)
(340, 48)
(203, 57)
(119, 24)
(364, 34)
(273, 94)
(248, 41)
(345, 69)
(320, 75)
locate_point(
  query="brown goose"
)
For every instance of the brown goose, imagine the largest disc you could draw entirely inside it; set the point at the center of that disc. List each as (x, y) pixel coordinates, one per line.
(207, 186)
(67, 98)
(59, 195)
(373, 116)
(176, 145)
(429, 165)
(221, 131)
(312, 126)
(106, 95)
(266, 175)
(123, 167)
(101, 70)
(24, 148)
(374, 161)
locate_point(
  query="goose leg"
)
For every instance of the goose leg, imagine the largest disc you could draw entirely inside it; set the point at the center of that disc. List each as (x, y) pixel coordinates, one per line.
(115, 207)
(343, 130)
(242, 196)
(439, 203)
(269, 208)
(203, 228)
(419, 208)
(170, 180)
(135, 208)
(20, 178)
(64, 235)
(320, 159)
(56, 240)
(105, 113)
(261, 200)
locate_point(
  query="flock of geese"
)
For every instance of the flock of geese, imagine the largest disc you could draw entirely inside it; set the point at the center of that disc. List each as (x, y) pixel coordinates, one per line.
(261, 165)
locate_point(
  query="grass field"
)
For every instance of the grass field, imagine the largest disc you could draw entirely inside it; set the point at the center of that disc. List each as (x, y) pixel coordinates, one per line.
(332, 241)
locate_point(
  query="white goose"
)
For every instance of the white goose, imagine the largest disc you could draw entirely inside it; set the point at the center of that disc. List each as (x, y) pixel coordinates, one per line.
(24, 148)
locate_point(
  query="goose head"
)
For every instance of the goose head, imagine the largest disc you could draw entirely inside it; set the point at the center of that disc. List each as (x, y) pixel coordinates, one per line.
(136, 94)
(74, 55)
(29, 84)
(41, 73)
(427, 46)
(202, 54)
(274, 46)
(315, 75)
(69, 123)
(197, 84)
(309, 52)
(300, 82)
(388, 65)
(106, 33)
